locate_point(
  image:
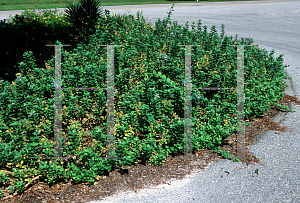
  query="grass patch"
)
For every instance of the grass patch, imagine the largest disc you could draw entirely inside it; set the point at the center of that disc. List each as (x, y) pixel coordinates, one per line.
(48, 4)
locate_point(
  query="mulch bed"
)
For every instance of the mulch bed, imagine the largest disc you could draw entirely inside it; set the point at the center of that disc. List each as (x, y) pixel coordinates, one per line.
(140, 176)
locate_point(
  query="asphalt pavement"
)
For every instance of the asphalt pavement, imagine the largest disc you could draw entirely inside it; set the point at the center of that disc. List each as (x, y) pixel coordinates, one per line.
(272, 25)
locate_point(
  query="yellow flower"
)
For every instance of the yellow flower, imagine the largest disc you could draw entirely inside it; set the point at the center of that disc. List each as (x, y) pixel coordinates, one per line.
(266, 58)
(18, 74)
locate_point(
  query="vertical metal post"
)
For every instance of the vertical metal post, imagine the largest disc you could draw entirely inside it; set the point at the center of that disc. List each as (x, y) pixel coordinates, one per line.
(110, 104)
(58, 105)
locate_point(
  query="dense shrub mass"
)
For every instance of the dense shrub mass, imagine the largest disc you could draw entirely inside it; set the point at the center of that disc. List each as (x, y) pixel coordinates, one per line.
(32, 30)
(149, 99)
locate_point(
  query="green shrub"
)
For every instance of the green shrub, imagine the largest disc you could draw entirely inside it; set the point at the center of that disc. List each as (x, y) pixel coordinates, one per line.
(32, 30)
(149, 99)
(84, 16)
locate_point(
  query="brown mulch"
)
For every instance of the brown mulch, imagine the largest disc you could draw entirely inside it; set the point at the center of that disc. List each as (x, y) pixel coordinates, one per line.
(139, 176)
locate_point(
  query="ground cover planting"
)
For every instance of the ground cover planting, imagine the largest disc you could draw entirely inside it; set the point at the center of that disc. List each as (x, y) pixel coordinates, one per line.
(149, 99)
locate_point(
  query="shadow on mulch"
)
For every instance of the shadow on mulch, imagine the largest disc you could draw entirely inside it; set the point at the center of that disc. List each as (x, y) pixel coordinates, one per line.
(139, 176)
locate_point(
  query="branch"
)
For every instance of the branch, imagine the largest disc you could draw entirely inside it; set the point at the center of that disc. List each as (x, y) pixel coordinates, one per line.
(10, 196)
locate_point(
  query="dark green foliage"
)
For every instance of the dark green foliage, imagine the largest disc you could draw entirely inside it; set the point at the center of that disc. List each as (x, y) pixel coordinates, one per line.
(149, 99)
(27, 34)
(30, 33)
(84, 16)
